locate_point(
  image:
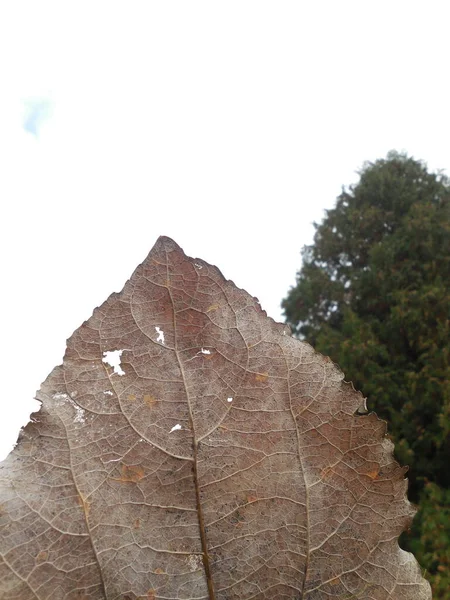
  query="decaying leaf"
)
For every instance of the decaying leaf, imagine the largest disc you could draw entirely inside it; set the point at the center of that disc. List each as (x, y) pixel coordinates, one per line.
(190, 448)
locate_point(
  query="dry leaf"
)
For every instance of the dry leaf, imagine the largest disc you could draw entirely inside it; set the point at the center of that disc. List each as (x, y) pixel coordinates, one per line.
(189, 447)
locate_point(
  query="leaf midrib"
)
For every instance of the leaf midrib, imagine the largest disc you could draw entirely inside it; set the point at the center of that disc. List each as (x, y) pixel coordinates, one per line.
(201, 522)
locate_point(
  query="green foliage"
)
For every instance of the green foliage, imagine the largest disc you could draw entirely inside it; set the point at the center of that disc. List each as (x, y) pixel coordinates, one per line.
(373, 293)
(429, 538)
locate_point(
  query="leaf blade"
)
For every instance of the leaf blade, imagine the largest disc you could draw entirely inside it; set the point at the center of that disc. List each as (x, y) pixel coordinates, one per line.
(179, 492)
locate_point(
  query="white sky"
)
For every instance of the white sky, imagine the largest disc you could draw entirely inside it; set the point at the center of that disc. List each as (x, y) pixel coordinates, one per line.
(229, 126)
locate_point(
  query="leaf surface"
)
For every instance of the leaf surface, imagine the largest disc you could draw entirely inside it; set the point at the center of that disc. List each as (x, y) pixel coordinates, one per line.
(189, 448)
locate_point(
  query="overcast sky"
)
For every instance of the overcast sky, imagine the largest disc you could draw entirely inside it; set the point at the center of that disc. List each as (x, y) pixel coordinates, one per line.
(229, 126)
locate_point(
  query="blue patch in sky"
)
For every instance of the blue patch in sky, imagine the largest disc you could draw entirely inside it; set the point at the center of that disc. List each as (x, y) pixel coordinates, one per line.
(36, 112)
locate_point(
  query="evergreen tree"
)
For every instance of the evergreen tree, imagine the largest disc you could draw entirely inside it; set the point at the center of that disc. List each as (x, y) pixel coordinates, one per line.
(373, 293)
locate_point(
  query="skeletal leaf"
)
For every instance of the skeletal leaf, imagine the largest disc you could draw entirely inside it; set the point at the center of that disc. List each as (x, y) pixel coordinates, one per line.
(189, 448)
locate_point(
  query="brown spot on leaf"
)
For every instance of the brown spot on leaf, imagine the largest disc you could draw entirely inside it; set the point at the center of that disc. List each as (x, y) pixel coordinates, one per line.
(42, 556)
(262, 377)
(151, 594)
(373, 474)
(130, 474)
(212, 307)
(160, 571)
(326, 473)
(252, 498)
(149, 400)
(137, 524)
(131, 397)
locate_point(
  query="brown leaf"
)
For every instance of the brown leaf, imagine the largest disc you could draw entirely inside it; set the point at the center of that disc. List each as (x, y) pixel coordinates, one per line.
(189, 447)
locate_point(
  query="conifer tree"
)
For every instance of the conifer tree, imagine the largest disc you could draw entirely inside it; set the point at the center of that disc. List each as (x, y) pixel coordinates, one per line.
(373, 293)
